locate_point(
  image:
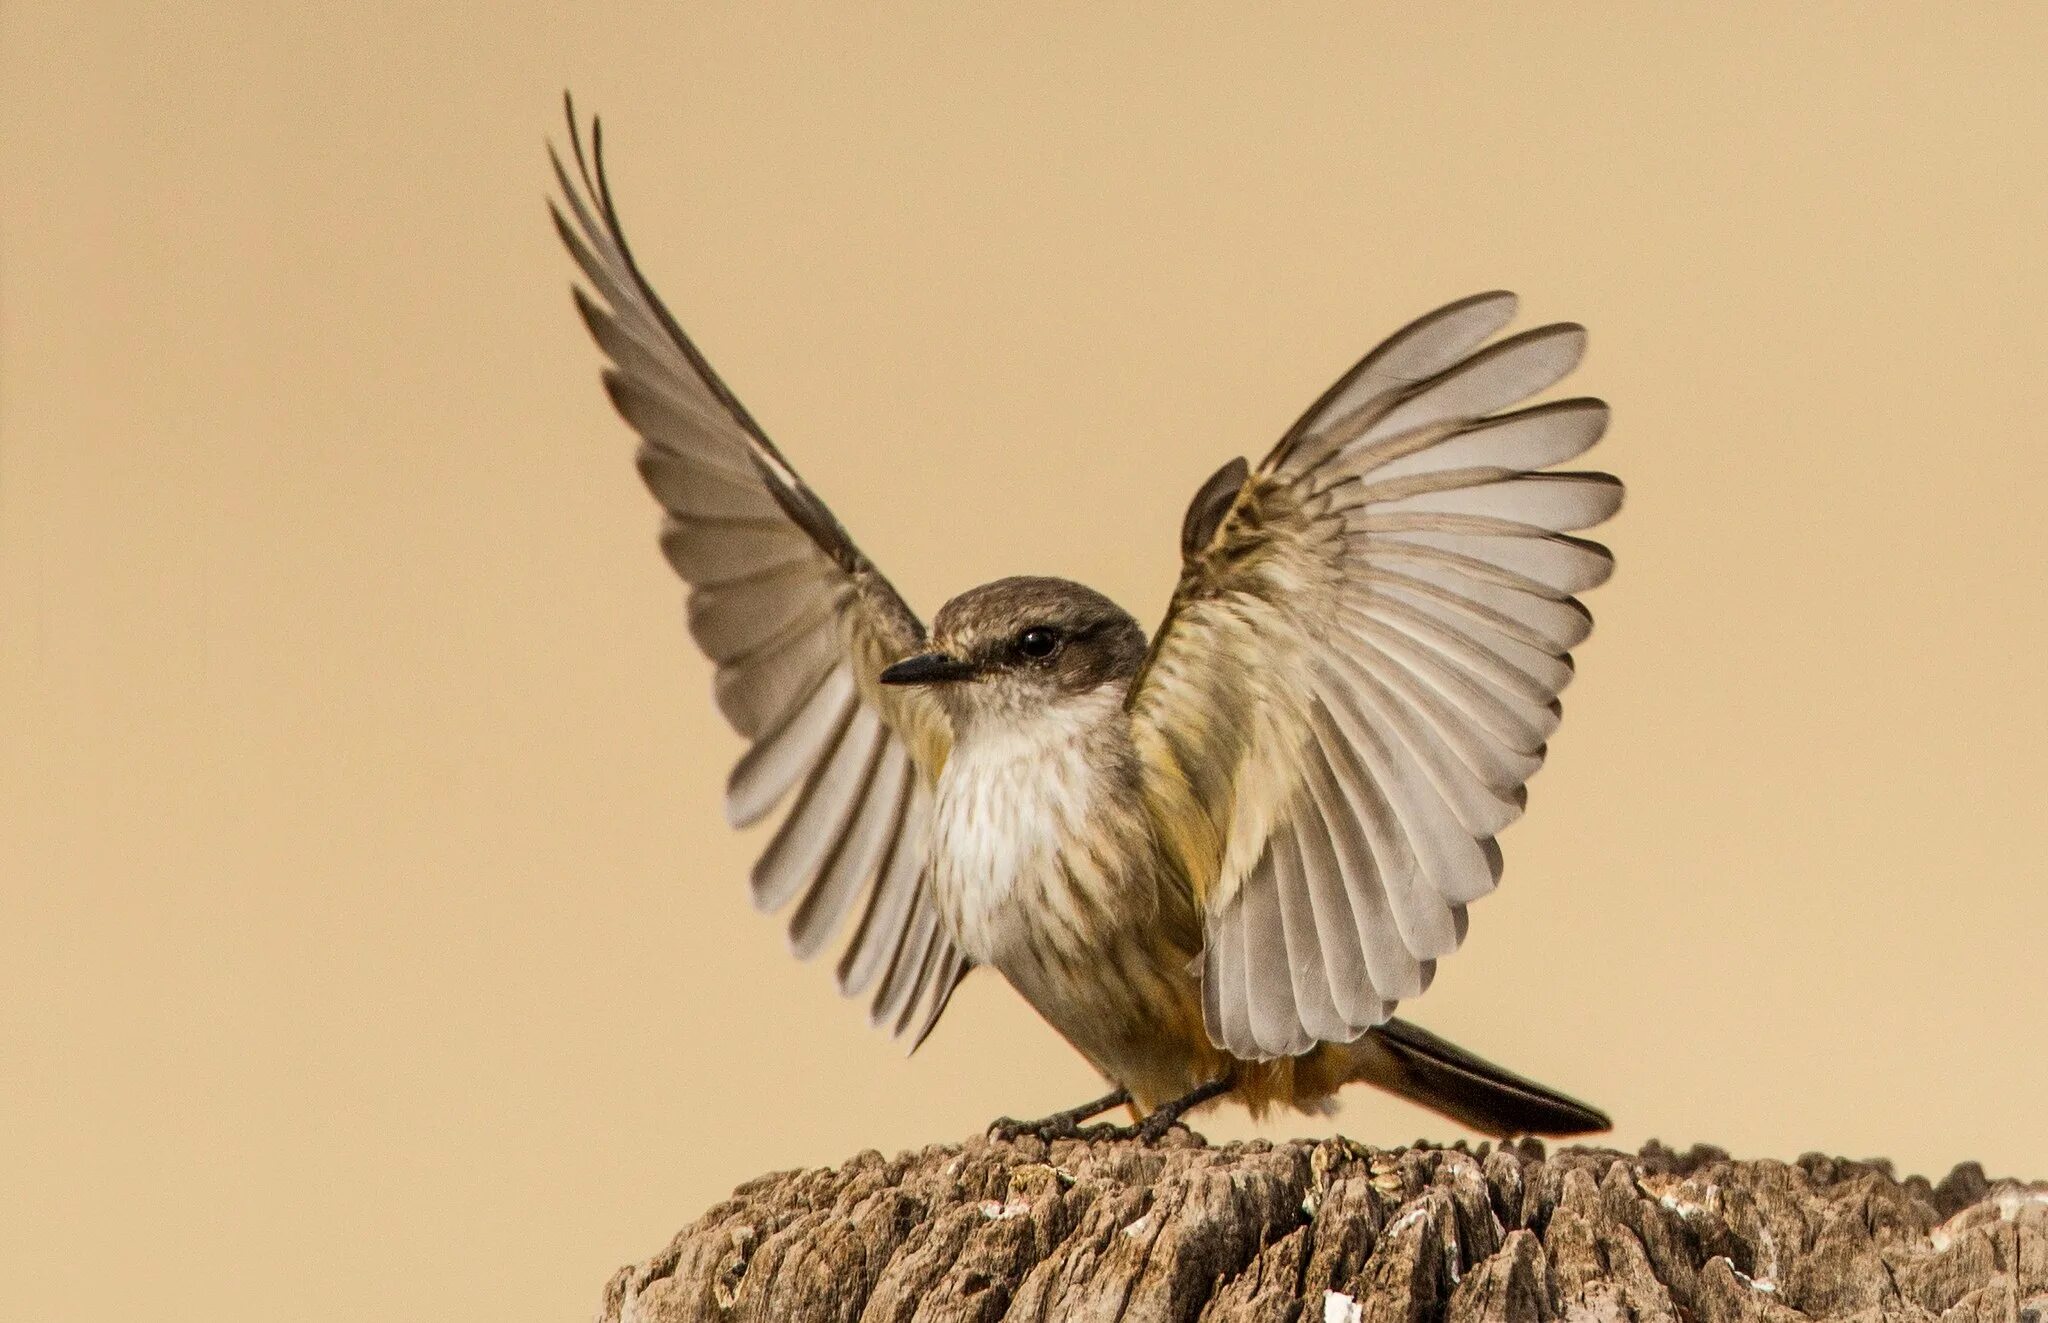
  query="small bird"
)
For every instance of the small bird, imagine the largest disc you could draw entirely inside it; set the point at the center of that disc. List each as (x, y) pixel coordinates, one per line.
(1213, 860)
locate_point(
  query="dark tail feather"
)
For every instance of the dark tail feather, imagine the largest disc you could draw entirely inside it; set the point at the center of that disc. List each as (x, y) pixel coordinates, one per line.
(1417, 1065)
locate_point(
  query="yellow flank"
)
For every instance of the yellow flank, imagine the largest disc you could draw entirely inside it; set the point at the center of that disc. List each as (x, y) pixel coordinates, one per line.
(1177, 1054)
(1306, 1083)
(1187, 835)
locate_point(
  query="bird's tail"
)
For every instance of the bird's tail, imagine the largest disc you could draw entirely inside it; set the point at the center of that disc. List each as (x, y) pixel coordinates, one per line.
(1415, 1064)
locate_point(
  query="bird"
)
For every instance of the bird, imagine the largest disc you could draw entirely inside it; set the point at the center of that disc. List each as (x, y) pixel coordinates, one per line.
(1215, 858)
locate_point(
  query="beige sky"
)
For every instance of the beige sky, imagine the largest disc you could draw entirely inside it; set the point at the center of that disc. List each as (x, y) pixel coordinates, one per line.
(372, 943)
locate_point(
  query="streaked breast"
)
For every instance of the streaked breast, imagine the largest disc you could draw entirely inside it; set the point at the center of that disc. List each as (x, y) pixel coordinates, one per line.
(1038, 829)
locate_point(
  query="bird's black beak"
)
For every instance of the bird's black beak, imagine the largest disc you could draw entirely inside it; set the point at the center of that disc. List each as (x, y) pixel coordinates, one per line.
(928, 668)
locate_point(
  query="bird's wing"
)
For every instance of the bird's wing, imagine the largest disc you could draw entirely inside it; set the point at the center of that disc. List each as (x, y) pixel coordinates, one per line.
(799, 623)
(1360, 668)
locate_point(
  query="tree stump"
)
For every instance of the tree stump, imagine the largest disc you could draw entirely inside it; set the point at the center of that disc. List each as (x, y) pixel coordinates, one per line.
(1336, 1232)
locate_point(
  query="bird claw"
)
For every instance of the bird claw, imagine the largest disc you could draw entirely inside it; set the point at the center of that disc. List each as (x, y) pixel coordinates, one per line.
(1166, 1116)
(1008, 1129)
(1060, 1125)
(1155, 1128)
(1148, 1131)
(1068, 1124)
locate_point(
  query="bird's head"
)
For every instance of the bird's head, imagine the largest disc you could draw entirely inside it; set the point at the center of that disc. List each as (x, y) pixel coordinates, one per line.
(1025, 644)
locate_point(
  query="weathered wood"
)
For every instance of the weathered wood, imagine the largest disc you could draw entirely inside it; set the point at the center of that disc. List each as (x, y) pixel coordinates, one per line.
(1334, 1232)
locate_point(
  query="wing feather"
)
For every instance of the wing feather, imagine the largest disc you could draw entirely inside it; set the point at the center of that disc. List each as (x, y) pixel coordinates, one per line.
(1361, 667)
(937, 992)
(710, 554)
(1521, 442)
(836, 886)
(1276, 1022)
(1518, 723)
(730, 623)
(1492, 379)
(1537, 620)
(890, 906)
(700, 491)
(1482, 809)
(1554, 503)
(1412, 887)
(1351, 988)
(907, 965)
(798, 622)
(1307, 967)
(938, 954)
(813, 828)
(1432, 343)
(1227, 996)
(1500, 768)
(781, 757)
(1560, 566)
(1391, 969)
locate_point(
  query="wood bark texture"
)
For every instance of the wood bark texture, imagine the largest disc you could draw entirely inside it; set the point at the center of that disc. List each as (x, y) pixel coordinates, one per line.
(1335, 1232)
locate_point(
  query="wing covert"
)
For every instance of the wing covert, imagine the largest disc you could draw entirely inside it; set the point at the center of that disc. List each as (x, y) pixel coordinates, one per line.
(798, 622)
(1360, 669)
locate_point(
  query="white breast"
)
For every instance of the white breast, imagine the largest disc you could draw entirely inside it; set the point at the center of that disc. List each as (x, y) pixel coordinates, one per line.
(1019, 804)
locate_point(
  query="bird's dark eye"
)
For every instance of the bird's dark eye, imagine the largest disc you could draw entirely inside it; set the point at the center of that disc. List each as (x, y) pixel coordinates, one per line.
(1038, 642)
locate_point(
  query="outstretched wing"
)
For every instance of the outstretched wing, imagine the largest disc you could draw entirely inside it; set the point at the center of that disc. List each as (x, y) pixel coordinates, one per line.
(799, 623)
(1361, 666)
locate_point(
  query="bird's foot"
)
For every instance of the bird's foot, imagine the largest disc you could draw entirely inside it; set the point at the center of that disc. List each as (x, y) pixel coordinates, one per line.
(1060, 1125)
(1008, 1129)
(1151, 1130)
(1163, 1118)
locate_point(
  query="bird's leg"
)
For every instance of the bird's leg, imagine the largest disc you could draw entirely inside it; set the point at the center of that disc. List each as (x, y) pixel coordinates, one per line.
(1060, 1125)
(1167, 1115)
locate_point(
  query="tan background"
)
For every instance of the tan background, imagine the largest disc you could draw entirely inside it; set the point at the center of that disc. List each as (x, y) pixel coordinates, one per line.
(372, 943)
